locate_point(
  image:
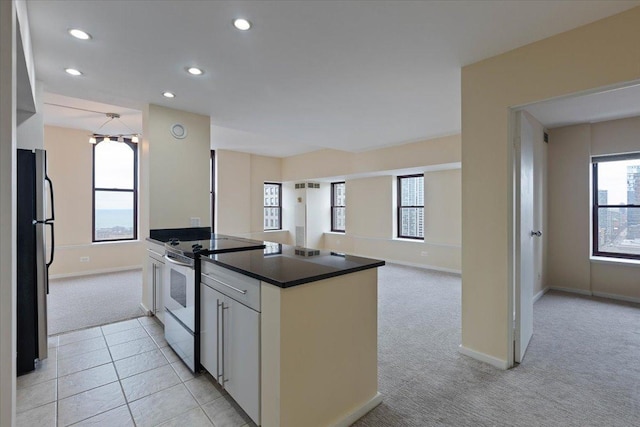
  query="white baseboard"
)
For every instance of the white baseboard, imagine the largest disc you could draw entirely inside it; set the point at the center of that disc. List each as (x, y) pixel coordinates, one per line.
(93, 272)
(493, 361)
(413, 264)
(616, 297)
(358, 413)
(144, 308)
(598, 294)
(539, 295)
(571, 290)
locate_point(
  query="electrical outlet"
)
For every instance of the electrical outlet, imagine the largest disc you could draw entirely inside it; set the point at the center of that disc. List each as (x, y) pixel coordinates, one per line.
(84, 259)
(424, 253)
(195, 222)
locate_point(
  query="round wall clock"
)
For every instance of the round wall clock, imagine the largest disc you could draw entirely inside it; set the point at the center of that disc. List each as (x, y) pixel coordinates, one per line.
(178, 131)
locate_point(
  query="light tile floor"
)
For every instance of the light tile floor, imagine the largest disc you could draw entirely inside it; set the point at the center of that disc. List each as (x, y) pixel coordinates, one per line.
(121, 374)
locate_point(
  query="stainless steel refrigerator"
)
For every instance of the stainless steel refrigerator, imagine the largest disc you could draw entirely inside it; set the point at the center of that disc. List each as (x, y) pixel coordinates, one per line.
(35, 241)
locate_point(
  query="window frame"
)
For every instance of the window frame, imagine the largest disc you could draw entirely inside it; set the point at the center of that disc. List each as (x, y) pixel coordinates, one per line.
(400, 206)
(596, 205)
(334, 206)
(279, 206)
(134, 191)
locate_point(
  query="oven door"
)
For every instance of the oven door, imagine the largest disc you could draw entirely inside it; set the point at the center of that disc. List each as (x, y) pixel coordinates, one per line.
(179, 290)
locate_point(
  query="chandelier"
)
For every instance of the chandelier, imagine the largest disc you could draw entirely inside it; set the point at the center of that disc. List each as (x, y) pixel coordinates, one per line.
(97, 136)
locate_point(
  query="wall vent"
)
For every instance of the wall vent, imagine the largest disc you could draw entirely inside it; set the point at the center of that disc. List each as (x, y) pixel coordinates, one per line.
(300, 185)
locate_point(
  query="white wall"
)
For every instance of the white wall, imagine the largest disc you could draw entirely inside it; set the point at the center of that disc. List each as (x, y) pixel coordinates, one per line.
(30, 130)
(7, 212)
(570, 151)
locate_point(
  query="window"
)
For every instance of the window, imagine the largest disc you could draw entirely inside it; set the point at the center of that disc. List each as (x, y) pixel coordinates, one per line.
(411, 206)
(616, 206)
(272, 206)
(338, 209)
(115, 191)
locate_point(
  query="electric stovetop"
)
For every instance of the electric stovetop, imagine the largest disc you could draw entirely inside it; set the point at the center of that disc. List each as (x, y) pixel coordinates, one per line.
(217, 244)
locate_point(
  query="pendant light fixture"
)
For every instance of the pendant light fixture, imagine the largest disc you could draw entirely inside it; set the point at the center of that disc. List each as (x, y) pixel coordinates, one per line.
(97, 136)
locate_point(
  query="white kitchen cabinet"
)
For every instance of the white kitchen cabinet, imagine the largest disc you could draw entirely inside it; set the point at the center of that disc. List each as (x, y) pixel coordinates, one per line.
(230, 341)
(210, 302)
(241, 368)
(155, 273)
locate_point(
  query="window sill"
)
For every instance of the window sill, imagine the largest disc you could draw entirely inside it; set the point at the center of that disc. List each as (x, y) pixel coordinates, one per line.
(618, 261)
(117, 242)
(337, 233)
(403, 239)
(273, 231)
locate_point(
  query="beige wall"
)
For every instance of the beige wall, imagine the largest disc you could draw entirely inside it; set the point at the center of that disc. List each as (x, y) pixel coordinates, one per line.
(178, 169)
(331, 163)
(569, 206)
(597, 55)
(240, 179)
(7, 213)
(70, 166)
(371, 222)
(570, 152)
(371, 200)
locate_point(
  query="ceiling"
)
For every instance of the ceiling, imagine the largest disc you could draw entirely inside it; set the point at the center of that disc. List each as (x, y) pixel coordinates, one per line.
(590, 108)
(349, 75)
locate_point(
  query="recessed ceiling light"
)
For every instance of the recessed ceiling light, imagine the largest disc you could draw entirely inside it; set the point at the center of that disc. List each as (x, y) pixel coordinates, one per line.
(168, 94)
(241, 24)
(79, 34)
(195, 71)
(73, 71)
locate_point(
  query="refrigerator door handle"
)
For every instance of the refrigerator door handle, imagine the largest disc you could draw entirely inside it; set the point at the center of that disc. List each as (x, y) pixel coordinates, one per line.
(52, 245)
(53, 215)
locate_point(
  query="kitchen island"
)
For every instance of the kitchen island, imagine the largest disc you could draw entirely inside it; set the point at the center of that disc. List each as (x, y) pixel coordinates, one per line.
(307, 354)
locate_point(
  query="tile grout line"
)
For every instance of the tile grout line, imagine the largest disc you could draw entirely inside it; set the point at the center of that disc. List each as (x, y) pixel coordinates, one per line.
(126, 401)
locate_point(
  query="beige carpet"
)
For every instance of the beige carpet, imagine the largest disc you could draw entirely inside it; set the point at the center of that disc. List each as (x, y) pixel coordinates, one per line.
(81, 302)
(582, 367)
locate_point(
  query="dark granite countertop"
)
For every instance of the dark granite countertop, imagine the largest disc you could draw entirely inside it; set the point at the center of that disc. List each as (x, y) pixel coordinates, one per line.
(286, 266)
(209, 243)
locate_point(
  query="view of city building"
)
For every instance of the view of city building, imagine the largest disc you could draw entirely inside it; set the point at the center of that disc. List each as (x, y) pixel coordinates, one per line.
(619, 219)
(338, 206)
(272, 206)
(411, 206)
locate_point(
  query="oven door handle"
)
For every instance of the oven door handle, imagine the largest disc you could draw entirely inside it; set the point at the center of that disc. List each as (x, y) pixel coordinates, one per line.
(173, 261)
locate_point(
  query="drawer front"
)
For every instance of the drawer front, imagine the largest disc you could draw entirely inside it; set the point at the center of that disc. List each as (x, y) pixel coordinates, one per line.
(155, 251)
(241, 288)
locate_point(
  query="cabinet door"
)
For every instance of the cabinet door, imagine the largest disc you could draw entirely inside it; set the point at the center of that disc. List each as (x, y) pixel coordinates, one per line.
(210, 308)
(151, 279)
(157, 283)
(242, 356)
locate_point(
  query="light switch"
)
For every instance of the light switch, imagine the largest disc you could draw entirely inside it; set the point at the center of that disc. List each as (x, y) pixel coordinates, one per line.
(195, 222)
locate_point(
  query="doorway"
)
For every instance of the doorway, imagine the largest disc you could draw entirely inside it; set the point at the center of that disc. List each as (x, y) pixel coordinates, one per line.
(574, 131)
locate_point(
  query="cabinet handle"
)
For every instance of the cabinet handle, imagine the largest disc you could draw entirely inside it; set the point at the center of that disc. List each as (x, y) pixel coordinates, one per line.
(224, 284)
(153, 285)
(218, 343)
(222, 328)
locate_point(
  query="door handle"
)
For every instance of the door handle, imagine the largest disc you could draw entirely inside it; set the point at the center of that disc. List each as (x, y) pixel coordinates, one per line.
(536, 233)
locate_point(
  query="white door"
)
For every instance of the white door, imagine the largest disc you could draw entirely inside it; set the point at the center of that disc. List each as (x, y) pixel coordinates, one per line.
(525, 243)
